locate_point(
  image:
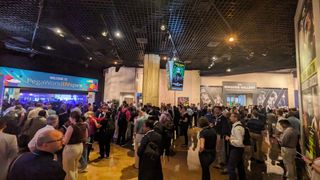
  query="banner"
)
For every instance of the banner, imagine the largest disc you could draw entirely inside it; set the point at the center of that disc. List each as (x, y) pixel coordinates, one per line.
(271, 97)
(211, 95)
(1, 91)
(308, 79)
(32, 79)
(175, 75)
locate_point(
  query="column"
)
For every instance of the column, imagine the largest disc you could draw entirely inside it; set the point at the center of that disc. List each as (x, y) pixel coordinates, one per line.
(150, 88)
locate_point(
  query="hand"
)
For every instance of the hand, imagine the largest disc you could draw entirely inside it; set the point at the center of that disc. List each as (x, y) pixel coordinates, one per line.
(307, 160)
(227, 138)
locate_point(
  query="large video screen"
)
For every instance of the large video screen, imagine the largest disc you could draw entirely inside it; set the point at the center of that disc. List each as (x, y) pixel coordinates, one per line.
(175, 75)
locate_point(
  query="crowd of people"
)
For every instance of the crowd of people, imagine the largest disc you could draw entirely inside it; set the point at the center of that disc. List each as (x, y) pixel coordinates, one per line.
(43, 142)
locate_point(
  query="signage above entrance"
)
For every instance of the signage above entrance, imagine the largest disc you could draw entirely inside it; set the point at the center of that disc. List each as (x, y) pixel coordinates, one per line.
(241, 87)
(32, 79)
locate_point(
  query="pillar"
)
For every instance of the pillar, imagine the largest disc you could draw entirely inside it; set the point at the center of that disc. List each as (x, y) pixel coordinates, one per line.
(150, 87)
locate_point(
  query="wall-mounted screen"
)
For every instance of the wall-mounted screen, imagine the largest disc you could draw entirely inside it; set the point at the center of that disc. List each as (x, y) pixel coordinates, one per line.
(175, 75)
(32, 79)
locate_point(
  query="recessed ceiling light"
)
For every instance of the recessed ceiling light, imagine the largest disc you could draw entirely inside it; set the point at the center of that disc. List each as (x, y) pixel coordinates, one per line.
(90, 58)
(115, 62)
(174, 58)
(88, 38)
(163, 27)
(104, 33)
(228, 70)
(214, 58)
(164, 57)
(61, 35)
(118, 34)
(231, 39)
(58, 31)
(48, 48)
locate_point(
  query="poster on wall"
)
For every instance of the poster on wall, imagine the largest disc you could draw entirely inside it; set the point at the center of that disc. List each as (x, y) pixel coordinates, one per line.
(183, 101)
(1, 91)
(211, 95)
(308, 80)
(175, 75)
(271, 97)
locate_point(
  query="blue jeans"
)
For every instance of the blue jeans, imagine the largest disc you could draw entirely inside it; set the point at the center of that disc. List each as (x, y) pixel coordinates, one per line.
(84, 157)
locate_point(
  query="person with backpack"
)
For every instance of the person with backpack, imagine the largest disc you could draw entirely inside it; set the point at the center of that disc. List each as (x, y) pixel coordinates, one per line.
(123, 119)
(149, 154)
(236, 144)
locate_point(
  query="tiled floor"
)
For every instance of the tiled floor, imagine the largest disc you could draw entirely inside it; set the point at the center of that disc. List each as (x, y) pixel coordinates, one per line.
(183, 165)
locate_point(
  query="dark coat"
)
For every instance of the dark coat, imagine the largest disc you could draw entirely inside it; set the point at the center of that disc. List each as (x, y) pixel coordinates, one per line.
(149, 169)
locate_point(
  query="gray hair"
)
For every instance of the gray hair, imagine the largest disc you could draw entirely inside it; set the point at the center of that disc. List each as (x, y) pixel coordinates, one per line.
(52, 119)
(44, 137)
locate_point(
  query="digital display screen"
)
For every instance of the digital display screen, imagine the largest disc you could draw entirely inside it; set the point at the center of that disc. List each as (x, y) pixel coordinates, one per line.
(32, 79)
(175, 75)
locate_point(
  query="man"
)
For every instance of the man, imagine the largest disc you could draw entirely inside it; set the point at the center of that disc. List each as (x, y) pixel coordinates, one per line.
(236, 149)
(52, 123)
(8, 149)
(149, 154)
(123, 119)
(288, 142)
(221, 126)
(77, 108)
(256, 126)
(34, 112)
(39, 165)
(51, 111)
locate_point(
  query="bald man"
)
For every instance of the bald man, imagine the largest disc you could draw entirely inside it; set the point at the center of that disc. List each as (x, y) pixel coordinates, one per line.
(39, 165)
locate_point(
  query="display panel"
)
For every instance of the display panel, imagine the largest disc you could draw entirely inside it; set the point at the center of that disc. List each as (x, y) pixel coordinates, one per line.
(26, 97)
(307, 64)
(175, 75)
(211, 95)
(32, 79)
(271, 97)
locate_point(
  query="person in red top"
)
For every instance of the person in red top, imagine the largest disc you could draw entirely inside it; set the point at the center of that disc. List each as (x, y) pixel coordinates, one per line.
(123, 119)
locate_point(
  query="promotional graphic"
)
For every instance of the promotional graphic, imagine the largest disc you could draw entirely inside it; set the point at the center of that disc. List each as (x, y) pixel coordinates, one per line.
(32, 79)
(175, 75)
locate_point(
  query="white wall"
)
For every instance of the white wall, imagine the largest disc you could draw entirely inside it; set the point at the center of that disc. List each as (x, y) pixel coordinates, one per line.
(191, 88)
(263, 80)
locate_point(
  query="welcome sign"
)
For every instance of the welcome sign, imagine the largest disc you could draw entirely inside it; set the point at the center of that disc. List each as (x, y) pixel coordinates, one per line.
(32, 79)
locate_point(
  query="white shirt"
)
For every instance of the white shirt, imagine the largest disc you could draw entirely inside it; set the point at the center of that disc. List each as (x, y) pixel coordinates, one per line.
(33, 142)
(237, 134)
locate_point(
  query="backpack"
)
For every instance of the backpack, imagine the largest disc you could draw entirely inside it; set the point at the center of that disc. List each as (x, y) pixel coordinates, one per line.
(152, 150)
(246, 138)
(122, 120)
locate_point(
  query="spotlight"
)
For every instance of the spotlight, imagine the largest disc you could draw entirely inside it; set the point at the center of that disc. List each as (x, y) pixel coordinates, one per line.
(214, 58)
(104, 33)
(88, 38)
(163, 27)
(164, 57)
(61, 35)
(118, 34)
(231, 39)
(48, 48)
(115, 62)
(174, 58)
(90, 58)
(228, 70)
(58, 31)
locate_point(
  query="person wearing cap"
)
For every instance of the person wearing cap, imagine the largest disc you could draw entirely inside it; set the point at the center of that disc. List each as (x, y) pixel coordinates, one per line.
(288, 142)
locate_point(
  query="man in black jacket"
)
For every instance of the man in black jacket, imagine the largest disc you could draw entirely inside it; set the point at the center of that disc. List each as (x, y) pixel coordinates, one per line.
(39, 165)
(149, 153)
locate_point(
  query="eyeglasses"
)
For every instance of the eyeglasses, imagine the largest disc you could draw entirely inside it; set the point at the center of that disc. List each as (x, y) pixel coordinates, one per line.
(54, 140)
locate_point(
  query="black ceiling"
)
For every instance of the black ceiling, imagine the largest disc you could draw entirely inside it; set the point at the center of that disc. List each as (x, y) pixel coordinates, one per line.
(264, 31)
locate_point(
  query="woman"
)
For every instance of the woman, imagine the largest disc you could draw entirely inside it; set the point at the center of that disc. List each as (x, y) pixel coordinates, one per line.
(73, 140)
(184, 125)
(207, 151)
(138, 134)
